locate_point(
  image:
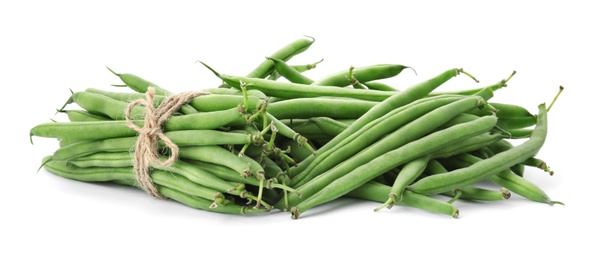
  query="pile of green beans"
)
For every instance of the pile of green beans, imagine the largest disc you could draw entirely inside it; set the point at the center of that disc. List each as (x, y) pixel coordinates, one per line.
(276, 139)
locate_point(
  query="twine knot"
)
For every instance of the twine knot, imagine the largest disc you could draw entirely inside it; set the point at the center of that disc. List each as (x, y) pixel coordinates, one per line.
(146, 150)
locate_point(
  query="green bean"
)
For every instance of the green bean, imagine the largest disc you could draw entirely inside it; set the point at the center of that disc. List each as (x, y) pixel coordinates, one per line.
(180, 138)
(289, 72)
(218, 155)
(200, 176)
(510, 181)
(306, 67)
(481, 170)
(181, 183)
(210, 103)
(297, 154)
(300, 68)
(468, 192)
(468, 145)
(290, 133)
(518, 133)
(122, 162)
(65, 142)
(94, 174)
(114, 129)
(82, 115)
(228, 174)
(285, 53)
(305, 127)
(480, 194)
(319, 107)
(507, 111)
(377, 192)
(329, 126)
(516, 122)
(293, 90)
(103, 105)
(82, 130)
(376, 85)
(522, 187)
(409, 173)
(129, 97)
(103, 159)
(237, 92)
(477, 91)
(337, 187)
(126, 96)
(538, 163)
(363, 74)
(139, 84)
(199, 203)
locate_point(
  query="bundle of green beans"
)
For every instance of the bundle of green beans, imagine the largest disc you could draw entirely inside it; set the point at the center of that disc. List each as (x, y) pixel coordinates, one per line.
(276, 139)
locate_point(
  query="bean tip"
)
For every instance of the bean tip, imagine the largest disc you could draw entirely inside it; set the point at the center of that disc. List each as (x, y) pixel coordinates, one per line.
(209, 68)
(114, 73)
(505, 193)
(295, 213)
(43, 162)
(311, 38)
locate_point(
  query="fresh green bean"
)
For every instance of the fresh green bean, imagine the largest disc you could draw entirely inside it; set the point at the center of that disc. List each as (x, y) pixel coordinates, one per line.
(509, 180)
(285, 53)
(199, 203)
(83, 115)
(218, 155)
(409, 173)
(180, 138)
(329, 126)
(319, 107)
(139, 84)
(375, 191)
(376, 85)
(468, 192)
(289, 72)
(363, 74)
(103, 159)
(129, 97)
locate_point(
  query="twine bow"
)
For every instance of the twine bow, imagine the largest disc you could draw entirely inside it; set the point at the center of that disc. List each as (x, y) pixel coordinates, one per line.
(146, 149)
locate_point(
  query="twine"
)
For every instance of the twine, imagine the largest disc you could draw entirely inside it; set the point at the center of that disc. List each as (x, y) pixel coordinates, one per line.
(146, 149)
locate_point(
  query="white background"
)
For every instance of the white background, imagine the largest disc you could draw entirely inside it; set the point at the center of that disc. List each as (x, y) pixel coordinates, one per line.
(49, 47)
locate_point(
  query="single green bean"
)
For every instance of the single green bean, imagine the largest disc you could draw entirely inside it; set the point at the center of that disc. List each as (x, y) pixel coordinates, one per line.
(409, 173)
(139, 84)
(83, 115)
(378, 86)
(375, 191)
(363, 74)
(129, 97)
(506, 178)
(285, 53)
(329, 126)
(289, 72)
(319, 107)
(468, 192)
